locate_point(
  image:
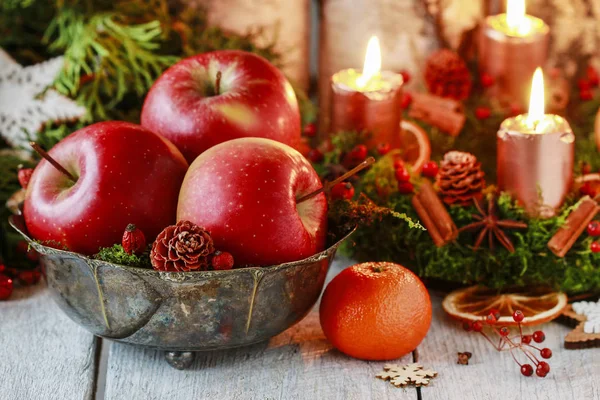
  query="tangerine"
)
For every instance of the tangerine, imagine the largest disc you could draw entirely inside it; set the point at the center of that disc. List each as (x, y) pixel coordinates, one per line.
(375, 311)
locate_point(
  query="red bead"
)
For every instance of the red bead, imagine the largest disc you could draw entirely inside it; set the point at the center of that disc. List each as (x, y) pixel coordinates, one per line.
(526, 339)
(595, 247)
(527, 369)
(483, 112)
(222, 260)
(518, 316)
(586, 95)
(430, 169)
(315, 155)
(538, 336)
(6, 287)
(310, 130)
(405, 76)
(546, 353)
(398, 164)
(402, 175)
(487, 80)
(544, 366)
(593, 228)
(467, 326)
(24, 176)
(406, 188)
(584, 85)
(342, 191)
(383, 148)
(477, 326)
(504, 331)
(29, 277)
(405, 101)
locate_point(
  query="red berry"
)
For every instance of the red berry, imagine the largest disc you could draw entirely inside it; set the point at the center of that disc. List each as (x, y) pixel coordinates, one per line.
(342, 191)
(134, 240)
(587, 190)
(360, 152)
(383, 148)
(24, 176)
(406, 188)
(504, 331)
(310, 130)
(402, 175)
(584, 85)
(518, 316)
(586, 95)
(29, 277)
(544, 366)
(2, 268)
(491, 319)
(595, 247)
(540, 372)
(430, 169)
(487, 80)
(483, 112)
(593, 228)
(495, 312)
(546, 353)
(586, 168)
(315, 155)
(527, 369)
(405, 76)
(467, 326)
(6, 287)
(515, 109)
(222, 260)
(398, 164)
(538, 336)
(405, 101)
(592, 75)
(526, 339)
(477, 326)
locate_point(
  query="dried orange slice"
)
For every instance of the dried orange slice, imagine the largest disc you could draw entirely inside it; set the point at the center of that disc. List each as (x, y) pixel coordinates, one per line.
(415, 148)
(474, 303)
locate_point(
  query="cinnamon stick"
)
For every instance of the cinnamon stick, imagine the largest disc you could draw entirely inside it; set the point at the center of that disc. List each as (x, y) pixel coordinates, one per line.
(432, 212)
(446, 114)
(576, 223)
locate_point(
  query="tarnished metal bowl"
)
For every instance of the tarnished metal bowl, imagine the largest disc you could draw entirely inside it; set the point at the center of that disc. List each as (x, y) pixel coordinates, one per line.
(181, 311)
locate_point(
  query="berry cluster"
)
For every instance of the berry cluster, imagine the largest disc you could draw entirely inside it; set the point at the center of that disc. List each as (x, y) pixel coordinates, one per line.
(520, 343)
(25, 277)
(405, 186)
(587, 84)
(593, 229)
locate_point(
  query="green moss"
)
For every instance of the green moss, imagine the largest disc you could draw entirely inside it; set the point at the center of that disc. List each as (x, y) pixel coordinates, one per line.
(117, 255)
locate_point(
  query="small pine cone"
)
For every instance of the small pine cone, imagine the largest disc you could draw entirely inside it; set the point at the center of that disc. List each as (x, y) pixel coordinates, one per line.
(182, 247)
(447, 75)
(460, 179)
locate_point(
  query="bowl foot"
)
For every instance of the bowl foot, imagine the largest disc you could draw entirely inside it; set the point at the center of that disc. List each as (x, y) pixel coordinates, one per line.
(180, 359)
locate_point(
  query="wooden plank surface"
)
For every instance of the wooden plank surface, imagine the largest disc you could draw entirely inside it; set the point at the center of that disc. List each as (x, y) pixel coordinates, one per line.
(494, 375)
(43, 354)
(297, 364)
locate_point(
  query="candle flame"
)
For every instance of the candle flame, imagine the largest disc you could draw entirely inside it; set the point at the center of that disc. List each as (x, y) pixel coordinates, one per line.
(536, 101)
(372, 64)
(516, 17)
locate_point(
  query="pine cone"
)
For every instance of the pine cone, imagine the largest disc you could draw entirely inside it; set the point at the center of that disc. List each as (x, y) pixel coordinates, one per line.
(460, 179)
(182, 247)
(447, 75)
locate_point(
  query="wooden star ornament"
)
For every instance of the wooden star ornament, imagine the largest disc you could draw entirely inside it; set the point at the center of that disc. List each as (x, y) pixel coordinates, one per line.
(585, 315)
(401, 376)
(26, 105)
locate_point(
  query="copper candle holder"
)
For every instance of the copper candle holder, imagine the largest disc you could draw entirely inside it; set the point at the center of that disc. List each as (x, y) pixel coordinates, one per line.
(536, 168)
(374, 109)
(512, 59)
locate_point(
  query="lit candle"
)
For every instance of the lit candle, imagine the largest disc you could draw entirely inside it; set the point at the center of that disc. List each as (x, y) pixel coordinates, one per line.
(368, 100)
(536, 152)
(511, 47)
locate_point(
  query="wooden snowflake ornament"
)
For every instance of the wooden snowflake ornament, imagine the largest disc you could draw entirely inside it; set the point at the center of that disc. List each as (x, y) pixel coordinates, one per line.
(401, 376)
(585, 315)
(24, 106)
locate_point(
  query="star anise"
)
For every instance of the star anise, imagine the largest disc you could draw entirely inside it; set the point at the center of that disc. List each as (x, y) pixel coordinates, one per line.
(490, 225)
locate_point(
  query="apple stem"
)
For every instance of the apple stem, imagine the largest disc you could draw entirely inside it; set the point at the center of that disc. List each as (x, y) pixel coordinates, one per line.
(51, 160)
(218, 83)
(327, 186)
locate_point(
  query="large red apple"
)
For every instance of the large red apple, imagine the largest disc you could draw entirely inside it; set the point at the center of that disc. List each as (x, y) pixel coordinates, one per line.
(124, 174)
(245, 193)
(253, 99)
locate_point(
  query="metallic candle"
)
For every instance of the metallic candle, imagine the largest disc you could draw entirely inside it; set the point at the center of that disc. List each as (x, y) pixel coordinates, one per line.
(367, 101)
(511, 47)
(536, 152)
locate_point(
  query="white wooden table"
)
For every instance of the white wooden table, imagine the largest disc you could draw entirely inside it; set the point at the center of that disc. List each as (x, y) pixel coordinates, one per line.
(44, 355)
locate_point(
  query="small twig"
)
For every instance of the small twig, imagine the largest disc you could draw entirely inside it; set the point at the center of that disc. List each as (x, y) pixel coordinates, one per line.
(218, 82)
(329, 185)
(52, 161)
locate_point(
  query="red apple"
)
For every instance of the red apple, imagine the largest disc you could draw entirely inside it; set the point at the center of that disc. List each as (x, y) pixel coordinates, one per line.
(245, 193)
(124, 174)
(252, 99)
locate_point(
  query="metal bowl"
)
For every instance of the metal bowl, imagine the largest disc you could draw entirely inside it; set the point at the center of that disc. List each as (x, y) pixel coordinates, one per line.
(181, 312)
